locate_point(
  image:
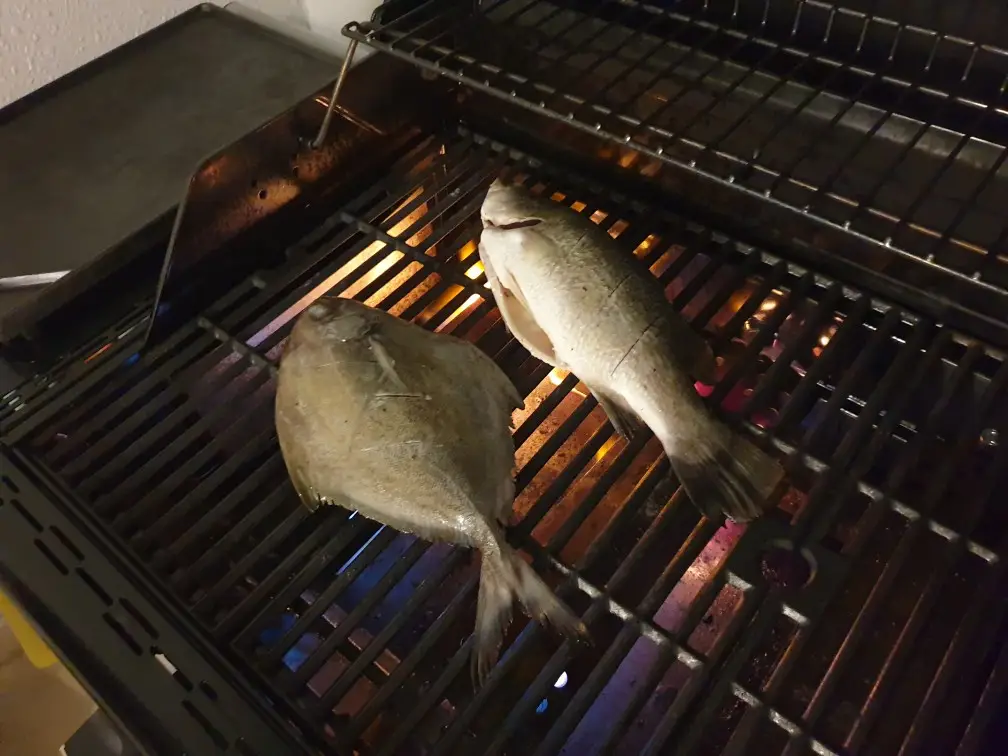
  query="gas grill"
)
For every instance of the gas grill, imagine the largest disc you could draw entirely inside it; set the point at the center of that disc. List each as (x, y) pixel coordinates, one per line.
(818, 189)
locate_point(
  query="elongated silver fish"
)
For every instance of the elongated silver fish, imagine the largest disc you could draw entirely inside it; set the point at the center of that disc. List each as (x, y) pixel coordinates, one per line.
(412, 429)
(575, 300)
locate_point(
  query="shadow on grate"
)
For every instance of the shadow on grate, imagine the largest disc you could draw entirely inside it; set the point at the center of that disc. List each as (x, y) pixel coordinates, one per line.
(885, 129)
(718, 638)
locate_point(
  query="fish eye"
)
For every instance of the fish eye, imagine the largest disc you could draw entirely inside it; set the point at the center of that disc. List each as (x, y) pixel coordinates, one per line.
(319, 310)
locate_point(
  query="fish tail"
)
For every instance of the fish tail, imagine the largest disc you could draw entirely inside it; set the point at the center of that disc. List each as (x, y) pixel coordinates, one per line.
(734, 479)
(505, 577)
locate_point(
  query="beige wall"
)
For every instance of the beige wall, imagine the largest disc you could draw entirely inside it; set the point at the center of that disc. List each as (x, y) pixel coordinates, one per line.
(39, 708)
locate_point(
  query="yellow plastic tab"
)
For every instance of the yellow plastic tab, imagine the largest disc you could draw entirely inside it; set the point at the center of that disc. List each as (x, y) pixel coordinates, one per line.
(38, 653)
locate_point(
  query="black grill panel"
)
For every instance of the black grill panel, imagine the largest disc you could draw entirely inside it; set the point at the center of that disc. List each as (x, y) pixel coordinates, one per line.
(704, 636)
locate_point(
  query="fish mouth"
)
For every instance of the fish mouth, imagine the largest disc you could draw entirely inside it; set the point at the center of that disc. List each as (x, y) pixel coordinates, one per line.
(510, 226)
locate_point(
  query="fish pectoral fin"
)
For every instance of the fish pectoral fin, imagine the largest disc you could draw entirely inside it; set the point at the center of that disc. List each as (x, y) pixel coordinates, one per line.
(476, 362)
(387, 365)
(623, 420)
(704, 368)
(694, 353)
(517, 316)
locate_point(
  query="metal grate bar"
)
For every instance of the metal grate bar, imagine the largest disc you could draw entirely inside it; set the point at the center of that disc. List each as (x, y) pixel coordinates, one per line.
(408, 666)
(251, 624)
(32, 421)
(323, 537)
(988, 706)
(210, 597)
(190, 534)
(871, 708)
(346, 575)
(857, 450)
(744, 366)
(389, 579)
(693, 544)
(423, 592)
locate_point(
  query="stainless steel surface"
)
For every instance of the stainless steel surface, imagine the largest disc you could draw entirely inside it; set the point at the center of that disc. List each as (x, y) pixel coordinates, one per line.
(108, 150)
(31, 281)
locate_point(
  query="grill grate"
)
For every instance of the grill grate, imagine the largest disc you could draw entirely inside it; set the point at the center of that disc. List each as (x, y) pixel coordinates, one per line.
(706, 636)
(878, 128)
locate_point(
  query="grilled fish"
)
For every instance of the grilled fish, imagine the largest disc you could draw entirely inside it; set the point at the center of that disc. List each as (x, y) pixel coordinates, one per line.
(575, 300)
(411, 429)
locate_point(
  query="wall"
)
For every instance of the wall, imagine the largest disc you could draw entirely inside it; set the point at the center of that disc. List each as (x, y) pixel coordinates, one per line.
(39, 708)
(40, 40)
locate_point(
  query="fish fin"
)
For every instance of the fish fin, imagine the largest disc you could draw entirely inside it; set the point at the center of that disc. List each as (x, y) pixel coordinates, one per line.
(500, 379)
(704, 367)
(623, 420)
(734, 480)
(517, 316)
(697, 357)
(504, 511)
(504, 577)
(387, 364)
(308, 497)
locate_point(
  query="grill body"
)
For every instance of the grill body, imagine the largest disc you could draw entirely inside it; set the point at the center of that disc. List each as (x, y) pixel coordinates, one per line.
(144, 490)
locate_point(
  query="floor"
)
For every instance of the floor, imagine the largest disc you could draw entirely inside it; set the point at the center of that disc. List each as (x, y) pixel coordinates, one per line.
(39, 708)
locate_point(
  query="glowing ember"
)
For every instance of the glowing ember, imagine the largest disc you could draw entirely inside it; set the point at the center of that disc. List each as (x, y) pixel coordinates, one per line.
(606, 448)
(557, 376)
(345, 270)
(475, 271)
(100, 352)
(378, 270)
(598, 216)
(824, 339)
(450, 322)
(645, 246)
(577, 207)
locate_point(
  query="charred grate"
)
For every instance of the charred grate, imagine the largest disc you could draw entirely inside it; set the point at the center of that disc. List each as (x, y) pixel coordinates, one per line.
(872, 125)
(708, 639)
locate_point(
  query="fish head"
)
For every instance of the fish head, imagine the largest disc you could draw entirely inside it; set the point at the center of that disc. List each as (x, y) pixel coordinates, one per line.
(331, 318)
(510, 207)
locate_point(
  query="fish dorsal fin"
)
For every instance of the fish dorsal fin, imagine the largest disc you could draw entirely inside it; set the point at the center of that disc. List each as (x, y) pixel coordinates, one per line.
(387, 364)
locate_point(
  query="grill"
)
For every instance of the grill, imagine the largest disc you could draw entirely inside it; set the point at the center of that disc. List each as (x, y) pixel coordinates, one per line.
(865, 613)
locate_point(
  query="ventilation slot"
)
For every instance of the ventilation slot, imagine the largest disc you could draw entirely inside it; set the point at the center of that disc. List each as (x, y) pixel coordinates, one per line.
(123, 633)
(212, 731)
(56, 562)
(91, 583)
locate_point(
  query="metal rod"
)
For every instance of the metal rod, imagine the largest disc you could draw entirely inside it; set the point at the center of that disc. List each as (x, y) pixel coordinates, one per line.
(337, 87)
